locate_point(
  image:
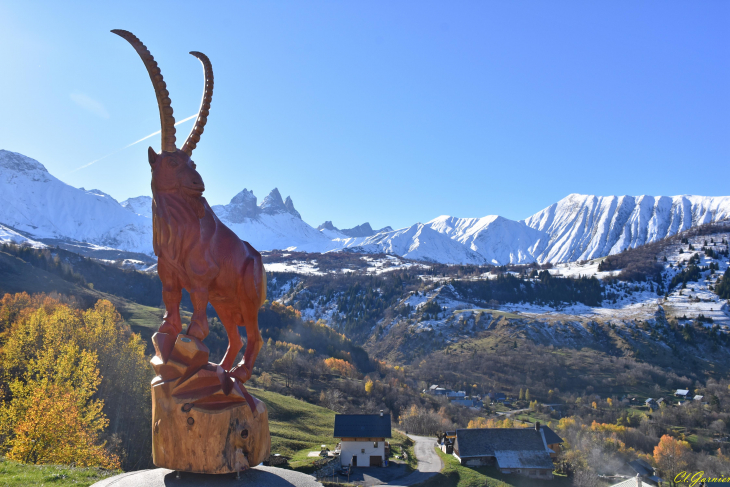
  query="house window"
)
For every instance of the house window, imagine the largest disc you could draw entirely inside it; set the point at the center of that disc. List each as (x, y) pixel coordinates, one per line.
(362, 450)
(375, 444)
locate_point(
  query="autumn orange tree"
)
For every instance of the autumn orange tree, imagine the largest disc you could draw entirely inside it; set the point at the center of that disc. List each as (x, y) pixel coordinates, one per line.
(671, 456)
(342, 367)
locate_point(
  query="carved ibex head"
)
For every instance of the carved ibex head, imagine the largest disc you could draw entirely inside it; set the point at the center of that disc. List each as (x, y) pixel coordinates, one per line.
(172, 168)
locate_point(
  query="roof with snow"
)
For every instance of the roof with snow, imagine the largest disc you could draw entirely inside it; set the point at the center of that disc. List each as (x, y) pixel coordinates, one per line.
(362, 426)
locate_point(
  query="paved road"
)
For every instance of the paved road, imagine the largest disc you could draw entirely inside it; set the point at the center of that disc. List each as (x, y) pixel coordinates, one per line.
(510, 413)
(429, 463)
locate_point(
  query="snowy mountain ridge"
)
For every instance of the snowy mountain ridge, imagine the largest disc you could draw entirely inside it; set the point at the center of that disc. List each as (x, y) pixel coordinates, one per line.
(34, 205)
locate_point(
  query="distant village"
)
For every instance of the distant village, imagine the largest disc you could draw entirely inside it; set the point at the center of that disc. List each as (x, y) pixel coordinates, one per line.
(532, 451)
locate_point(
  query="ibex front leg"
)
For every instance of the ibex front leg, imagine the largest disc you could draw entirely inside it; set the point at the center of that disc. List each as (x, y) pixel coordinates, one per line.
(199, 323)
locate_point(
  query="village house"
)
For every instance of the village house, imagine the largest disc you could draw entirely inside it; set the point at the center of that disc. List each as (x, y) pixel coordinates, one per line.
(652, 404)
(455, 394)
(435, 390)
(497, 396)
(362, 439)
(554, 442)
(683, 393)
(447, 442)
(469, 402)
(639, 473)
(523, 451)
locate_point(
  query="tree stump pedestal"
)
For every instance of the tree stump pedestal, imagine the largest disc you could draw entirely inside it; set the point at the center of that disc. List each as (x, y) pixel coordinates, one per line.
(203, 420)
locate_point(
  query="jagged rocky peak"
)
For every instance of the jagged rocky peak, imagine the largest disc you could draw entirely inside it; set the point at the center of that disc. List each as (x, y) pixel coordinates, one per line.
(242, 206)
(328, 226)
(364, 230)
(289, 204)
(18, 162)
(274, 204)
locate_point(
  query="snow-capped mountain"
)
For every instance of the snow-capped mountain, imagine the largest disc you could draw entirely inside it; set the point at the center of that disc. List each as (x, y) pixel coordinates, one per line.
(497, 239)
(417, 242)
(36, 207)
(33, 201)
(275, 224)
(141, 205)
(584, 227)
(364, 230)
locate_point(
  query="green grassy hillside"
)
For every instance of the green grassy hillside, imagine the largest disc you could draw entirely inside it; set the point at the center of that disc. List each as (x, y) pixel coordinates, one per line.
(297, 427)
(13, 474)
(17, 275)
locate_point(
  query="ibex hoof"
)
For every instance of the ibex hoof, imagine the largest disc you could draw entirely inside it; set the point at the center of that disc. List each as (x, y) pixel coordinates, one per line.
(197, 331)
(240, 373)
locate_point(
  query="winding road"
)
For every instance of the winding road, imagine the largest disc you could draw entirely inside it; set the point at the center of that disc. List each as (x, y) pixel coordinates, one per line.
(429, 463)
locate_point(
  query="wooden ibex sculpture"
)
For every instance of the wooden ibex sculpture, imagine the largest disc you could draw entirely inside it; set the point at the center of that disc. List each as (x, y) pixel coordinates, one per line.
(195, 250)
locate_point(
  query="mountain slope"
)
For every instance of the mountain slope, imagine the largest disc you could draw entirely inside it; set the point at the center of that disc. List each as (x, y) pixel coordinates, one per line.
(499, 240)
(275, 224)
(34, 201)
(417, 242)
(583, 227)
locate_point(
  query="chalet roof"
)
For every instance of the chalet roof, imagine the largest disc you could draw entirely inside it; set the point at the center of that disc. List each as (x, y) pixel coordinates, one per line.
(642, 468)
(482, 442)
(550, 436)
(362, 426)
(650, 400)
(523, 459)
(681, 392)
(698, 397)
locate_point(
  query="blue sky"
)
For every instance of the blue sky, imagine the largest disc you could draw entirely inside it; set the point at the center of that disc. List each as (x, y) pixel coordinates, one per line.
(387, 112)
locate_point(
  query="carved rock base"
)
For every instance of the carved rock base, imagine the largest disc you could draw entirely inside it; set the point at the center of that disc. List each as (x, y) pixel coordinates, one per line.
(203, 421)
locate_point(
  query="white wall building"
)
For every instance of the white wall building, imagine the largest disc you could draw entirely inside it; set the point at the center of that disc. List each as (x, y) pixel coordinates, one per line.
(362, 439)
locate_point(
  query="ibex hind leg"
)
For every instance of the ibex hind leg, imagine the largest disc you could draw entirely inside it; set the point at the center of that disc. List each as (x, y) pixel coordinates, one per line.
(252, 293)
(254, 341)
(231, 319)
(171, 323)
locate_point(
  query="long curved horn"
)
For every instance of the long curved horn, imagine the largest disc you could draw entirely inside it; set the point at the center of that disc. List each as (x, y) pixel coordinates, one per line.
(167, 121)
(194, 137)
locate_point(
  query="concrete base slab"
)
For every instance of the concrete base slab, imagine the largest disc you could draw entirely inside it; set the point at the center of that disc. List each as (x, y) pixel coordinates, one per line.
(256, 477)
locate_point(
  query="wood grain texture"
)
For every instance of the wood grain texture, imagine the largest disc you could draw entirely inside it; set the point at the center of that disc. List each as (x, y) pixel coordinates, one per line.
(203, 420)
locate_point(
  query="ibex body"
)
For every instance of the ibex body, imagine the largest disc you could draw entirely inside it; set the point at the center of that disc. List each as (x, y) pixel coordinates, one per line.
(195, 250)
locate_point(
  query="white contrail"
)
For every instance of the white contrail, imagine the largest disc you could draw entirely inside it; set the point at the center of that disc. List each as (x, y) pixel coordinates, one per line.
(130, 145)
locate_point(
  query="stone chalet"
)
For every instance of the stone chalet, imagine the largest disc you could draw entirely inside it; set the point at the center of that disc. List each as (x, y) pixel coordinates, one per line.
(362, 439)
(523, 451)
